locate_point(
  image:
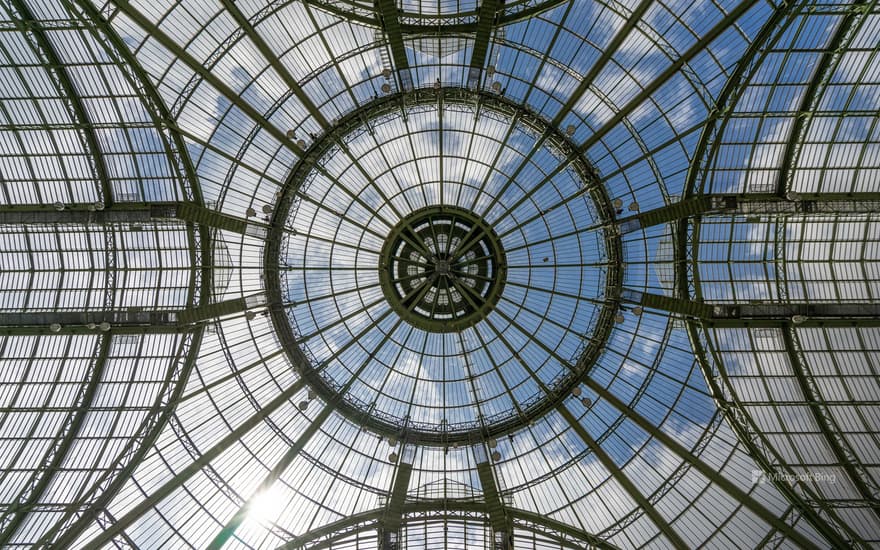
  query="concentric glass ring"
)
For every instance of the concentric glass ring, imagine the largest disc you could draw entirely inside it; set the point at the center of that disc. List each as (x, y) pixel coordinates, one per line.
(442, 266)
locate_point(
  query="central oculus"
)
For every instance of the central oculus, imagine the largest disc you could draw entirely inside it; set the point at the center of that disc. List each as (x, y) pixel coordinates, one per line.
(442, 269)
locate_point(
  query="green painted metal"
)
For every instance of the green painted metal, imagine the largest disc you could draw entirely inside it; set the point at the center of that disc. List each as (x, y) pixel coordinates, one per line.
(391, 104)
(492, 498)
(122, 321)
(671, 212)
(758, 314)
(763, 452)
(55, 456)
(43, 47)
(705, 469)
(390, 18)
(624, 481)
(129, 213)
(173, 46)
(687, 308)
(607, 53)
(461, 22)
(485, 26)
(843, 35)
(119, 213)
(220, 309)
(273, 60)
(87, 322)
(843, 453)
(394, 509)
(270, 479)
(446, 271)
(211, 218)
(370, 520)
(224, 443)
(755, 204)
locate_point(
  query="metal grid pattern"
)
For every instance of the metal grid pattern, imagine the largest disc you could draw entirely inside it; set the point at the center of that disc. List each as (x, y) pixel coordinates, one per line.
(284, 136)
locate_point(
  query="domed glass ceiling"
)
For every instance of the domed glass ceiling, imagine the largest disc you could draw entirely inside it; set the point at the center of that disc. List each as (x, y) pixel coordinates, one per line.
(363, 275)
(453, 307)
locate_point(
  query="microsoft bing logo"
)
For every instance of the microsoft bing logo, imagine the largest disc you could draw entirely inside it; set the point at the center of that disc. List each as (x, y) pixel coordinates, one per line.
(760, 477)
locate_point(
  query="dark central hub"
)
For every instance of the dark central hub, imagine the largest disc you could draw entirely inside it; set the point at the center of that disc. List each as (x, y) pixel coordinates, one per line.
(442, 269)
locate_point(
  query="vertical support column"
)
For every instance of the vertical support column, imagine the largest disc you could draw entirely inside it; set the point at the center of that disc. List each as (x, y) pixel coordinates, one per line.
(485, 26)
(391, 24)
(389, 531)
(502, 532)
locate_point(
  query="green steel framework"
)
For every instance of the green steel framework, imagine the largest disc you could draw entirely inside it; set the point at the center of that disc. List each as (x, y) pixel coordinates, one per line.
(685, 215)
(475, 232)
(480, 101)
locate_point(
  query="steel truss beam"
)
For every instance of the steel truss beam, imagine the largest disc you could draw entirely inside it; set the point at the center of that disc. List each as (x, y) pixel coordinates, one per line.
(75, 519)
(753, 441)
(390, 20)
(209, 77)
(753, 204)
(130, 213)
(54, 457)
(285, 461)
(501, 527)
(802, 499)
(607, 53)
(623, 480)
(392, 518)
(273, 60)
(122, 523)
(371, 519)
(241, 514)
(844, 34)
(485, 26)
(760, 314)
(843, 452)
(706, 470)
(123, 322)
(43, 47)
(414, 23)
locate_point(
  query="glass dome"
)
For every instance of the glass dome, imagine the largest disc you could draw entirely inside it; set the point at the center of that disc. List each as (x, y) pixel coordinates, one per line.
(442, 275)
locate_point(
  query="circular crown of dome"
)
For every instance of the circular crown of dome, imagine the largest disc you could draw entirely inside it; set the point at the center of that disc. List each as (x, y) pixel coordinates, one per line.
(442, 309)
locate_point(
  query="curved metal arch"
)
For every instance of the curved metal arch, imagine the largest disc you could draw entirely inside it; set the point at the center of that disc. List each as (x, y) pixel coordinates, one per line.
(830, 429)
(755, 443)
(687, 275)
(831, 57)
(393, 104)
(413, 23)
(30, 26)
(521, 518)
(648, 90)
(54, 457)
(175, 149)
(57, 453)
(66, 530)
(623, 480)
(200, 283)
